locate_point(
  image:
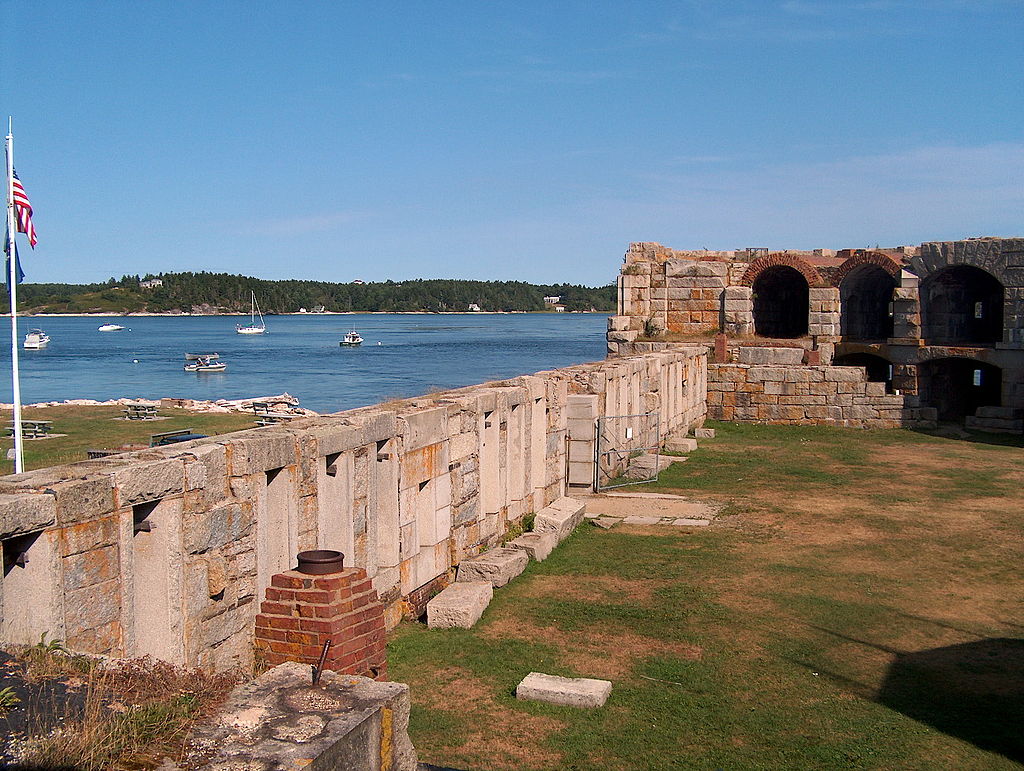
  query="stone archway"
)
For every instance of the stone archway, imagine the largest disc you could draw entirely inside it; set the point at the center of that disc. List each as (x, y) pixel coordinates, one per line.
(957, 387)
(962, 305)
(781, 300)
(865, 295)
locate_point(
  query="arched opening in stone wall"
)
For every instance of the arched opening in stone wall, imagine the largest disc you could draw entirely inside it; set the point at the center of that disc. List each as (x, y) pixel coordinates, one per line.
(879, 369)
(957, 387)
(866, 301)
(962, 305)
(781, 299)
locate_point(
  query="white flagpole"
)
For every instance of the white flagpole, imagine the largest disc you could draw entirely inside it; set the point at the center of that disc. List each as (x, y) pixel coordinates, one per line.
(12, 280)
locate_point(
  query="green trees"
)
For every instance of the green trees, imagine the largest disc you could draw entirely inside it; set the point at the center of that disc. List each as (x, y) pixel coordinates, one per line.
(230, 293)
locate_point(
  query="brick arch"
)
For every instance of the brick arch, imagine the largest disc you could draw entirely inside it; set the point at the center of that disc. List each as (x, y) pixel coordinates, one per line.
(761, 264)
(879, 259)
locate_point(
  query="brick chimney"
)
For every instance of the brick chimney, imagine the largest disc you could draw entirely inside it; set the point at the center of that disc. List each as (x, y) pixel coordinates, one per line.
(303, 611)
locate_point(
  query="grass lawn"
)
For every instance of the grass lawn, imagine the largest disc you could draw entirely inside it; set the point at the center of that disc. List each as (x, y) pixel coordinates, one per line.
(105, 427)
(857, 605)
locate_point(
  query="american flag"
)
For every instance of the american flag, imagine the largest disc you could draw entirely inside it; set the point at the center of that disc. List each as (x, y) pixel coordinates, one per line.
(23, 212)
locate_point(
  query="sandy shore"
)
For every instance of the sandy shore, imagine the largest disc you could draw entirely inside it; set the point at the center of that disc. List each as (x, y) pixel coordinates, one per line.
(285, 403)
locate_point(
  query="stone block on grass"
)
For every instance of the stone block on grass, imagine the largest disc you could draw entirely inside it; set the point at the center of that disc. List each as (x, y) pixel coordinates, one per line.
(684, 444)
(560, 518)
(566, 691)
(460, 605)
(704, 433)
(496, 566)
(537, 545)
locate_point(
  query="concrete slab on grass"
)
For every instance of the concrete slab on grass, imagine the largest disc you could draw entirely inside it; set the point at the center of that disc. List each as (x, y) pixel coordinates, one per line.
(685, 522)
(498, 566)
(567, 691)
(642, 520)
(460, 605)
(537, 545)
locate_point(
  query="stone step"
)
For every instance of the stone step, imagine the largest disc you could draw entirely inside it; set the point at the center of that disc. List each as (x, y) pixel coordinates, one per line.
(567, 691)
(995, 425)
(496, 566)
(560, 518)
(537, 545)
(684, 444)
(459, 605)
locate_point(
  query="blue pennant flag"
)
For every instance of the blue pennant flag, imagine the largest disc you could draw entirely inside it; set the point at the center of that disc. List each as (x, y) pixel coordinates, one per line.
(19, 273)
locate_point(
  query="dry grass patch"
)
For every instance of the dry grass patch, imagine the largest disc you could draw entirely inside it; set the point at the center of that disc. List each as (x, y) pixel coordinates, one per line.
(512, 740)
(604, 655)
(598, 588)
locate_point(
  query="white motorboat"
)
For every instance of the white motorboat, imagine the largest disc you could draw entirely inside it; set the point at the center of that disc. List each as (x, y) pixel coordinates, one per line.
(252, 328)
(36, 339)
(204, 363)
(352, 339)
(110, 327)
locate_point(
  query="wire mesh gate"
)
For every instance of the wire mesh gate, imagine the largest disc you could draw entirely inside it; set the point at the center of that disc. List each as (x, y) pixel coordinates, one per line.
(626, 450)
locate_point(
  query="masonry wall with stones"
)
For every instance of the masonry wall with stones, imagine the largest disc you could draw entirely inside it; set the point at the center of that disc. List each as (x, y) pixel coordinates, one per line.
(940, 325)
(168, 551)
(840, 396)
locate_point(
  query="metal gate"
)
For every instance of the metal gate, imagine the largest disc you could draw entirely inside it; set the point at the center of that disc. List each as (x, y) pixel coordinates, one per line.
(626, 451)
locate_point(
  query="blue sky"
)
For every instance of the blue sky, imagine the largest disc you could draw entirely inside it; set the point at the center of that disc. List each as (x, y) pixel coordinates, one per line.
(526, 140)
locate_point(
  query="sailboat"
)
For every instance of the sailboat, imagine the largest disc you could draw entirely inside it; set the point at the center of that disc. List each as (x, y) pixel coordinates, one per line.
(252, 328)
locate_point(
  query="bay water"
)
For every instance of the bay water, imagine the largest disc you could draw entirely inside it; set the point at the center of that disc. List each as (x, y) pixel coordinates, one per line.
(403, 355)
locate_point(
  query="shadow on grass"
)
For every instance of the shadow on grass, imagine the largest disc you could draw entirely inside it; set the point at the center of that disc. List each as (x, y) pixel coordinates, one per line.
(973, 691)
(959, 433)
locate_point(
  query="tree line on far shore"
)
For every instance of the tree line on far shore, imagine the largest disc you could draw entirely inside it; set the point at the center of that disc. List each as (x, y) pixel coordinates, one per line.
(226, 293)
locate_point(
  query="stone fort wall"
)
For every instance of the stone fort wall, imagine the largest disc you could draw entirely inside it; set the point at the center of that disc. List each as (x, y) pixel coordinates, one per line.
(169, 551)
(919, 333)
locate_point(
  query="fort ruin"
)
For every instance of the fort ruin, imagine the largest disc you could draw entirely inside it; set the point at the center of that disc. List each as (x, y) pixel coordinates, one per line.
(184, 552)
(935, 331)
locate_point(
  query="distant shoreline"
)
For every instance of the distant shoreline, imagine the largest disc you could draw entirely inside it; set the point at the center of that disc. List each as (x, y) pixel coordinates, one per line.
(296, 313)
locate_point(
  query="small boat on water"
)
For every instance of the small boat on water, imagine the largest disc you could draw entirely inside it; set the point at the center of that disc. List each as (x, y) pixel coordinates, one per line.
(252, 328)
(352, 339)
(110, 327)
(36, 339)
(204, 363)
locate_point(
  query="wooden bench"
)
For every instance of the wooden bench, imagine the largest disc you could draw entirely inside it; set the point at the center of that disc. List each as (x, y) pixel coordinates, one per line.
(173, 437)
(140, 412)
(264, 416)
(33, 429)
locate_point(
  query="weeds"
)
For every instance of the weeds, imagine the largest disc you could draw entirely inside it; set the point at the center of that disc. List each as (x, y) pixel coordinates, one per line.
(8, 699)
(49, 659)
(134, 712)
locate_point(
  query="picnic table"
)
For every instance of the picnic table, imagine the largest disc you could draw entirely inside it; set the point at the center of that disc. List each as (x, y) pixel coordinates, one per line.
(173, 437)
(266, 417)
(32, 429)
(140, 412)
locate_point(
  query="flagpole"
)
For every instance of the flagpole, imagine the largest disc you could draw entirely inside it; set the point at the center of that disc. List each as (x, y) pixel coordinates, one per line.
(12, 282)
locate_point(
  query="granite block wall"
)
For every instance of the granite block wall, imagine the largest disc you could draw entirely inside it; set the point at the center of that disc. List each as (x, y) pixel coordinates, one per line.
(169, 551)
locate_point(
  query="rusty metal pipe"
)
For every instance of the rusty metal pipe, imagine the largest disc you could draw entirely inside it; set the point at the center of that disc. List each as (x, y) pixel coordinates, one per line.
(318, 668)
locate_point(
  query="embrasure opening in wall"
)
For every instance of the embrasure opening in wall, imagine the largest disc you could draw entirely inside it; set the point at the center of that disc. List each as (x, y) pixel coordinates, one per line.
(16, 551)
(141, 521)
(331, 464)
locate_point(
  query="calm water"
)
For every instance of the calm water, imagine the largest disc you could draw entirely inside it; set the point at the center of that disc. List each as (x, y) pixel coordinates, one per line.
(299, 354)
